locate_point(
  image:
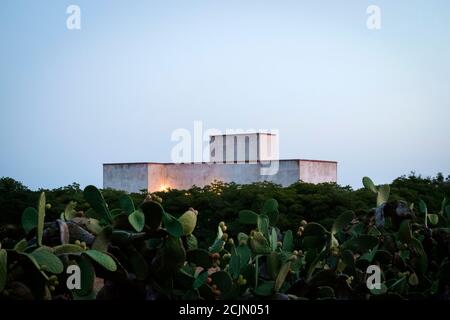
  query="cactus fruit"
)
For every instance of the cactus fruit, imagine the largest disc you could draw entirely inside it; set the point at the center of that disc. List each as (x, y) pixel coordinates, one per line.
(241, 280)
(215, 256)
(258, 243)
(223, 226)
(189, 220)
(153, 197)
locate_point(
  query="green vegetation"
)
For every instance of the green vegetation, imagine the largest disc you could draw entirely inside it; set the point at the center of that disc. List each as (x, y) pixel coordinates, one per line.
(258, 241)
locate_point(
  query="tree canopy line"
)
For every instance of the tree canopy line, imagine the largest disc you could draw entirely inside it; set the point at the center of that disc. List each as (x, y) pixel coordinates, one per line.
(223, 201)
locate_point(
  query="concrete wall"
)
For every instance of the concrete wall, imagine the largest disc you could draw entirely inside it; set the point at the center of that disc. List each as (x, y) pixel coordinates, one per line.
(131, 177)
(184, 176)
(160, 176)
(314, 171)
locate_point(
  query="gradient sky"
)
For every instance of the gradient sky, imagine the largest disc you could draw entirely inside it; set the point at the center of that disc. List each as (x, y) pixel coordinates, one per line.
(376, 101)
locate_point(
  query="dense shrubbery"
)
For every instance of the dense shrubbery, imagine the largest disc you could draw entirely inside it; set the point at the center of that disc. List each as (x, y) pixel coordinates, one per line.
(237, 244)
(217, 202)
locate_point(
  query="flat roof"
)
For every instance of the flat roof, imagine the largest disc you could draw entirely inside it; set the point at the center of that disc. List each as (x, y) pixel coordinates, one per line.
(242, 133)
(217, 162)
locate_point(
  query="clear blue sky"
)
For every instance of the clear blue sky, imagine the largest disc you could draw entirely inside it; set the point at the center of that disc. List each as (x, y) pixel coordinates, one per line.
(376, 101)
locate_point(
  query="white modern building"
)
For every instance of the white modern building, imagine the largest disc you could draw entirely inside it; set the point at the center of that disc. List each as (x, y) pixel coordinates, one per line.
(241, 158)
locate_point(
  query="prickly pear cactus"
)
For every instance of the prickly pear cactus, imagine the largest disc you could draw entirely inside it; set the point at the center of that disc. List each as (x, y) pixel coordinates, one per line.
(145, 252)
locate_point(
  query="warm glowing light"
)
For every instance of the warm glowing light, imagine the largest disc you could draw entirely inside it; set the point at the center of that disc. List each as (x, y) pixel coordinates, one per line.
(163, 187)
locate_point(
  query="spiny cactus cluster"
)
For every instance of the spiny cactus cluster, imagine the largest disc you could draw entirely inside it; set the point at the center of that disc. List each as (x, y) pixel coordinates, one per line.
(148, 253)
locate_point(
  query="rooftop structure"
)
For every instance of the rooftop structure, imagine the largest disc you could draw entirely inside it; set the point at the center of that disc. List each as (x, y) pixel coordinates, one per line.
(240, 158)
